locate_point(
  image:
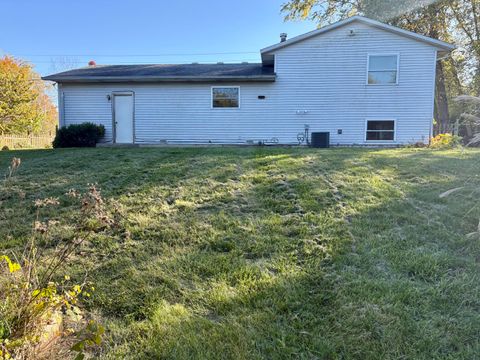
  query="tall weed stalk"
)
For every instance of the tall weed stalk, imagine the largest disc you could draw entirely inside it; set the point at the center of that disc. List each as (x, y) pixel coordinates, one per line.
(33, 299)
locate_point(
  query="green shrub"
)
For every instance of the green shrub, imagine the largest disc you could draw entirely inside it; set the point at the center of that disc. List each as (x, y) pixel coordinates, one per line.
(81, 135)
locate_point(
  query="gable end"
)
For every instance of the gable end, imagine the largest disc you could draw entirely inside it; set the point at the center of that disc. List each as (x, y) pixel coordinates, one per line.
(443, 47)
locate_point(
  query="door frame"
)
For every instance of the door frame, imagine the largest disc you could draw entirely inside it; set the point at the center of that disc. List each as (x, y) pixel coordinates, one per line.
(114, 125)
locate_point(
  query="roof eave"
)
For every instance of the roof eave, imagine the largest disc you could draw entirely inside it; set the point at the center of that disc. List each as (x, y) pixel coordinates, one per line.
(116, 79)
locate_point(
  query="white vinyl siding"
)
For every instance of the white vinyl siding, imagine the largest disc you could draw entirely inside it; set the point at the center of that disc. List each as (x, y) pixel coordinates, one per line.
(326, 76)
(87, 105)
(320, 82)
(181, 113)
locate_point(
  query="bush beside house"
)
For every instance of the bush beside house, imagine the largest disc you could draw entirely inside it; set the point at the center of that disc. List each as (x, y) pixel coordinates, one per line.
(81, 135)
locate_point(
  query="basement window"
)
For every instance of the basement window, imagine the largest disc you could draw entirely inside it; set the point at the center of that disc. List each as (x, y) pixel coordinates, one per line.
(226, 97)
(383, 69)
(380, 130)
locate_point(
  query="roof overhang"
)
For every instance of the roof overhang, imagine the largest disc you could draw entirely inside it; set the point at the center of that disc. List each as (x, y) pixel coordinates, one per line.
(157, 79)
(443, 47)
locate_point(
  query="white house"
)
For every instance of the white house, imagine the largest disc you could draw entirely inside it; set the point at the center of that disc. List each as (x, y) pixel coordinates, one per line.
(362, 81)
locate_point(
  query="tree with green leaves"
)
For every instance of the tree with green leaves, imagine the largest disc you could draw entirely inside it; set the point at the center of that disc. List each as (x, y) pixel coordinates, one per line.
(24, 106)
(470, 117)
(466, 14)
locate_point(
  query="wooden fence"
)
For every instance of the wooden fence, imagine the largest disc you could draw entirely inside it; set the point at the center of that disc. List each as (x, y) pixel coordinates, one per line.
(25, 141)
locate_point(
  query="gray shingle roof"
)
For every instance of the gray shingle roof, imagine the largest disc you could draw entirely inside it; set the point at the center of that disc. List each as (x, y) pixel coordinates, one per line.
(166, 73)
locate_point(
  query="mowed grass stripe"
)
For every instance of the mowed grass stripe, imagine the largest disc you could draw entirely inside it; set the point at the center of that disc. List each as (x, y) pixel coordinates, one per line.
(272, 253)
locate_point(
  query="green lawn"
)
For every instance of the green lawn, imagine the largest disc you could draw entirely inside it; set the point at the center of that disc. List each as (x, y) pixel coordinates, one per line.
(272, 253)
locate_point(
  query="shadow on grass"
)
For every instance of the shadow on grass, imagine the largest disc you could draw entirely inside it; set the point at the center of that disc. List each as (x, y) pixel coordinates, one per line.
(279, 253)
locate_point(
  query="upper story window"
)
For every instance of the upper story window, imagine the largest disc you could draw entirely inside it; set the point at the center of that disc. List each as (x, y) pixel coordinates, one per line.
(226, 97)
(383, 69)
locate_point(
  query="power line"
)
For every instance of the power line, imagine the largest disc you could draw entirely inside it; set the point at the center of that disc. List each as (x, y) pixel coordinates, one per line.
(137, 55)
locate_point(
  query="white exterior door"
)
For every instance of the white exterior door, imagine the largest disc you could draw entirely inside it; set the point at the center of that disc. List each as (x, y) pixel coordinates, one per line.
(123, 118)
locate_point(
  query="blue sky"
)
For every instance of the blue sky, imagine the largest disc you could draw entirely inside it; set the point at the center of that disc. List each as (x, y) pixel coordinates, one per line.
(126, 32)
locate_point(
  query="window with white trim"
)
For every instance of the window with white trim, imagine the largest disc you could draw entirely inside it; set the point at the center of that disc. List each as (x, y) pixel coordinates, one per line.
(380, 130)
(225, 97)
(383, 69)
